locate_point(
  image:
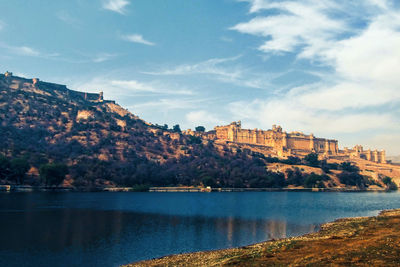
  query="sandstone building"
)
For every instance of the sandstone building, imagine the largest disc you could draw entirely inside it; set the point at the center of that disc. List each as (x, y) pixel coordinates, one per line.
(283, 144)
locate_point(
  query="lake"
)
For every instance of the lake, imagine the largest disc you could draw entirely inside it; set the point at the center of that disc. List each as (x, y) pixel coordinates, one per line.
(109, 229)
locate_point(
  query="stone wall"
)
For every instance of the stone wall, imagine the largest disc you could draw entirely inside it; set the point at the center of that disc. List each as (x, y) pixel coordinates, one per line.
(19, 82)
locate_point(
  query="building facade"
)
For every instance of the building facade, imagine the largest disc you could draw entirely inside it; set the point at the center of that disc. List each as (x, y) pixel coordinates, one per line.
(293, 144)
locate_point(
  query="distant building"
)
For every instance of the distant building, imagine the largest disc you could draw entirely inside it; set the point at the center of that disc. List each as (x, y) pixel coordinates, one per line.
(286, 144)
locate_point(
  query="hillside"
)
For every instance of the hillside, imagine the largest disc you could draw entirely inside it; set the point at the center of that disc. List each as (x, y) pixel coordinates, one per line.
(104, 145)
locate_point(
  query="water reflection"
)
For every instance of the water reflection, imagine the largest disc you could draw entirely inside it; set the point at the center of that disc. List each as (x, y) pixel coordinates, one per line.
(142, 235)
(113, 229)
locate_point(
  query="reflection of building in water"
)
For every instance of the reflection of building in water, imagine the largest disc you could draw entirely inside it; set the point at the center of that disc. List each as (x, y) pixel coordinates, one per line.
(276, 229)
(230, 229)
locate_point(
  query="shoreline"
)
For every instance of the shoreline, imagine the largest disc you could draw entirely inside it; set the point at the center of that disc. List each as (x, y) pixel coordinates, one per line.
(353, 241)
(27, 188)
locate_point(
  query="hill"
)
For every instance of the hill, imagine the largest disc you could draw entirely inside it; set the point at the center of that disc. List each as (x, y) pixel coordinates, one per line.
(46, 126)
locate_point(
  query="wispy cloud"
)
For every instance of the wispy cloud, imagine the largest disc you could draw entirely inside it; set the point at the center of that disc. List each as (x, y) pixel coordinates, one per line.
(27, 51)
(305, 23)
(220, 69)
(136, 38)
(203, 117)
(210, 66)
(294, 116)
(120, 87)
(226, 39)
(118, 6)
(102, 57)
(169, 104)
(69, 19)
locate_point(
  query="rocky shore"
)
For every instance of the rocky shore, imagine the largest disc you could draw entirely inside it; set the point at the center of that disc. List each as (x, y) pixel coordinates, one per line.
(360, 241)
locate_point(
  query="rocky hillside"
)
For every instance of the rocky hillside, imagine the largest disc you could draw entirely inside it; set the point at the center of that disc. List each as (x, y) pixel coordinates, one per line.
(103, 144)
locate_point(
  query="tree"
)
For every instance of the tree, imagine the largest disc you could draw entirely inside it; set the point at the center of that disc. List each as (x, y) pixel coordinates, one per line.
(291, 160)
(389, 183)
(4, 167)
(200, 129)
(352, 178)
(347, 166)
(294, 177)
(208, 181)
(53, 173)
(18, 169)
(312, 159)
(176, 128)
(314, 180)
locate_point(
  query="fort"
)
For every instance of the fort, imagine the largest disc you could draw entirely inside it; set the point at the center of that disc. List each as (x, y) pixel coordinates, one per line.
(16, 82)
(276, 142)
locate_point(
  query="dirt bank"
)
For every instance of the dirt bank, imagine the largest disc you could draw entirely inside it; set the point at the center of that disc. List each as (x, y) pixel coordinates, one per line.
(372, 241)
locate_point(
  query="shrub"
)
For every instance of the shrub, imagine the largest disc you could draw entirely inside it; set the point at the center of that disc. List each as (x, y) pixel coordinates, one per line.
(315, 180)
(389, 183)
(291, 160)
(352, 178)
(294, 177)
(347, 166)
(18, 169)
(53, 173)
(200, 129)
(312, 160)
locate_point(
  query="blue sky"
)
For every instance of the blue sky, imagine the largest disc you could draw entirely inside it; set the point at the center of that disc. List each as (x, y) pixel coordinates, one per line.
(328, 67)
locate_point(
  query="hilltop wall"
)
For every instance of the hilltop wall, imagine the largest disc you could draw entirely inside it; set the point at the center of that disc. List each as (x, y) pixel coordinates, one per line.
(16, 82)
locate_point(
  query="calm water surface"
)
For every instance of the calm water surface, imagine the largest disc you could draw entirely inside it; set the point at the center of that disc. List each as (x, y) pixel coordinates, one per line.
(109, 229)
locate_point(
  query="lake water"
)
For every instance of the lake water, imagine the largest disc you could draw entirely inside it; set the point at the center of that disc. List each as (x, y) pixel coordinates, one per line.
(109, 229)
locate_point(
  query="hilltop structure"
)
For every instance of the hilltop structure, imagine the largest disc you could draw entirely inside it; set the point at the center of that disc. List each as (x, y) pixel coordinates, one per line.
(275, 142)
(16, 82)
(285, 144)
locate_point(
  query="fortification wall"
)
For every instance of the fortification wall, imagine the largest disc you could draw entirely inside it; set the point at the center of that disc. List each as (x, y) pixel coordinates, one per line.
(19, 82)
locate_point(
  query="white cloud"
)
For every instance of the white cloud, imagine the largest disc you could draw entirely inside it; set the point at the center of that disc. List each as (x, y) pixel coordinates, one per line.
(293, 116)
(102, 57)
(203, 117)
(120, 88)
(222, 70)
(391, 139)
(118, 6)
(168, 104)
(210, 66)
(68, 18)
(299, 24)
(136, 38)
(226, 39)
(27, 51)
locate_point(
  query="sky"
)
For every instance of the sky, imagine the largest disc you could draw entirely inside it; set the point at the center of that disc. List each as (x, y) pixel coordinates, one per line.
(327, 67)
